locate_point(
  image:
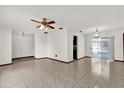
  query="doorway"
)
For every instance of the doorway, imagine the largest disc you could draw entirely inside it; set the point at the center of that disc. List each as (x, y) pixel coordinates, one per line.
(74, 47)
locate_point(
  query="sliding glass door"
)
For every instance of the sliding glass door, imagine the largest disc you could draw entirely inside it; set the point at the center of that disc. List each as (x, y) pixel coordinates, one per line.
(103, 48)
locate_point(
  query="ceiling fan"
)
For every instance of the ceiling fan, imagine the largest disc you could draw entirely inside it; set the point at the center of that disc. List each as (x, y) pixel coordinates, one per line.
(44, 23)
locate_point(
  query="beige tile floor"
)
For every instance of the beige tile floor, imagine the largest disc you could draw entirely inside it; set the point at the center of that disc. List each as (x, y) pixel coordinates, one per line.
(46, 73)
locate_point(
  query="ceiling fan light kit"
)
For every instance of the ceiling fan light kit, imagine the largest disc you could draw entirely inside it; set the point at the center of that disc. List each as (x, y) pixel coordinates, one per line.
(41, 27)
(44, 24)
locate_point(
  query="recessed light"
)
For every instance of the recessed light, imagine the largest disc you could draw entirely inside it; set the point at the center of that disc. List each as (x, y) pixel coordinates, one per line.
(45, 32)
(23, 34)
(60, 28)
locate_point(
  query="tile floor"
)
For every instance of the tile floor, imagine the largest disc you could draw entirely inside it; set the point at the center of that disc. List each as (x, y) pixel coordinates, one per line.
(47, 73)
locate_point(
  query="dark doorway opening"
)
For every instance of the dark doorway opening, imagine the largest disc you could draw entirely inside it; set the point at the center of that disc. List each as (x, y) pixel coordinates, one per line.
(74, 47)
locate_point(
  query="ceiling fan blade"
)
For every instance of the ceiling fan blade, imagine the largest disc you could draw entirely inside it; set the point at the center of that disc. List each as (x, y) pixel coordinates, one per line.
(51, 27)
(38, 26)
(51, 22)
(35, 21)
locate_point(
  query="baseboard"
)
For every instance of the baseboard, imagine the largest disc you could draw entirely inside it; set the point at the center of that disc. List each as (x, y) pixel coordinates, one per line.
(87, 57)
(60, 60)
(63, 61)
(69, 61)
(6, 64)
(84, 57)
(119, 60)
(23, 57)
(49, 58)
(40, 58)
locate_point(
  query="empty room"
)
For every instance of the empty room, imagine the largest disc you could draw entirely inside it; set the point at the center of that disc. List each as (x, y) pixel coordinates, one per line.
(61, 46)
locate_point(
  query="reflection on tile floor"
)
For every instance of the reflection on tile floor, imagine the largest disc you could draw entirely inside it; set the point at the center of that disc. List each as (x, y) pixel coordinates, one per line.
(47, 73)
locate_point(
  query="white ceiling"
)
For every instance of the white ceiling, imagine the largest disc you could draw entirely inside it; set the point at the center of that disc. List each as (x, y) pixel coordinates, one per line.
(85, 18)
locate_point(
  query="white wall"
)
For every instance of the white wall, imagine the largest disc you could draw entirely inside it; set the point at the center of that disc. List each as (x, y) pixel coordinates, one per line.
(118, 43)
(22, 46)
(70, 45)
(88, 45)
(40, 44)
(81, 46)
(60, 43)
(5, 47)
(57, 45)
